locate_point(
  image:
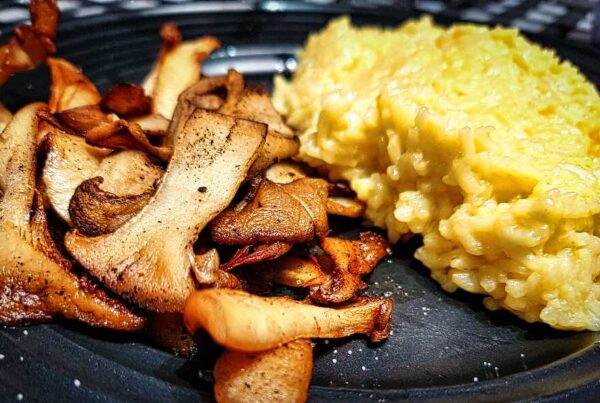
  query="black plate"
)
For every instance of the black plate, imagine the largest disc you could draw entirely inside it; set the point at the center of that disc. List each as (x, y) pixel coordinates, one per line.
(444, 347)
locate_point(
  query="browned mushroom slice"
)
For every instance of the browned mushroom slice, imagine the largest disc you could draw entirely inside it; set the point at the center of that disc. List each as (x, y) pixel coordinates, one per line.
(245, 322)
(149, 260)
(293, 271)
(69, 88)
(166, 330)
(345, 206)
(83, 118)
(94, 211)
(5, 117)
(294, 212)
(70, 161)
(344, 264)
(37, 282)
(253, 254)
(127, 100)
(31, 44)
(125, 135)
(152, 125)
(178, 66)
(278, 375)
(286, 172)
(208, 272)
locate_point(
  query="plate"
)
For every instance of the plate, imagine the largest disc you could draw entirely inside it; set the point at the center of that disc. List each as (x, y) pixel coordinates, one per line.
(444, 347)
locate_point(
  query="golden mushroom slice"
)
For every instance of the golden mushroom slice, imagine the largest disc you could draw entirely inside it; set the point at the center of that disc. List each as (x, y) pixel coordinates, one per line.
(278, 375)
(149, 260)
(70, 161)
(5, 116)
(69, 88)
(178, 66)
(37, 282)
(246, 322)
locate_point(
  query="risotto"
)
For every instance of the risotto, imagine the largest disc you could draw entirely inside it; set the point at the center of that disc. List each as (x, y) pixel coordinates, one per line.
(482, 142)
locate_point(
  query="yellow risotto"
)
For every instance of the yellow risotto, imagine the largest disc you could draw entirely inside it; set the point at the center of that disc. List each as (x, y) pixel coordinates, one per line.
(482, 142)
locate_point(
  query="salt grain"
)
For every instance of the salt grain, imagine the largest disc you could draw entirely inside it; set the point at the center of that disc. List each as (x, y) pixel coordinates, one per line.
(475, 379)
(77, 382)
(2, 356)
(364, 368)
(376, 358)
(350, 352)
(334, 351)
(334, 361)
(19, 396)
(326, 341)
(21, 358)
(25, 332)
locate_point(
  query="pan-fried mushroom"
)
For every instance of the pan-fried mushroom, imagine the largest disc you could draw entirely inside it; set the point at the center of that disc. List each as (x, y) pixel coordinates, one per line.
(31, 44)
(152, 125)
(278, 375)
(94, 211)
(83, 118)
(286, 172)
(344, 262)
(291, 270)
(149, 260)
(69, 88)
(207, 270)
(345, 206)
(70, 161)
(5, 117)
(126, 135)
(293, 212)
(245, 322)
(37, 282)
(127, 100)
(253, 254)
(252, 103)
(178, 66)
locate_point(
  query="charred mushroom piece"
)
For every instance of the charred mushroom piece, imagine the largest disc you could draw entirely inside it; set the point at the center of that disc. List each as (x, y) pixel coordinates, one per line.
(31, 44)
(83, 118)
(346, 207)
(37, 282)
(278, 375)
(69, 88)
(344, 264)
(292, 271)
(294, 213)
(71, 161)
(177, 67)
(208, 272)
(245, 322)
(149, 260)
(127, 100)
(253, 254)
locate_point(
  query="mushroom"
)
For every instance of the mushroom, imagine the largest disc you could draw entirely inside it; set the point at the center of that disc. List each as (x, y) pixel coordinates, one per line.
(37, 282)
(153, 125)
(344, 263)
(208, 272)
(294, 212)
(5, 116)
(31, 44)
(167, 331)
(69, 88)
(149, 260)
(83, 118)
(177, 67)
(292, 271)
(245, 322)
(127, 100)
(278, 375)
(253, 254)
(70, 161)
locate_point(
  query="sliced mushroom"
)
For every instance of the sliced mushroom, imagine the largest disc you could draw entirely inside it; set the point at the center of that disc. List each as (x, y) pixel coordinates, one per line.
(293, 271)
(245, 322)
(293, 212)
(94, 211)
(149, 260)
(83, 118)
(31, 44)
(125, 135)
(253, 254)
(127, 100)
(69, 88)
(5, 117)
(178, 66)
(36, 281)
(344, 264)
(152, 125)
(278, 375)
(286, 172)
(344, 206)
(71, 161)
(208, 272)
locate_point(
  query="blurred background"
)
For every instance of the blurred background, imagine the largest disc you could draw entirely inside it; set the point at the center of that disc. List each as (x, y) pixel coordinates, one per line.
(577, 20)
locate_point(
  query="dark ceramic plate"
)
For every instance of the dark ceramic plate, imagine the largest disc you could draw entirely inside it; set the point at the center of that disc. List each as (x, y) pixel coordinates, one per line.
(443, 348)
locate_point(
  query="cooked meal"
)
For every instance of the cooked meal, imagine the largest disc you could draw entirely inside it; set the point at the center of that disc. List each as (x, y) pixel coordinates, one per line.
(174, 208)
(184, 207)
(482, 142)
